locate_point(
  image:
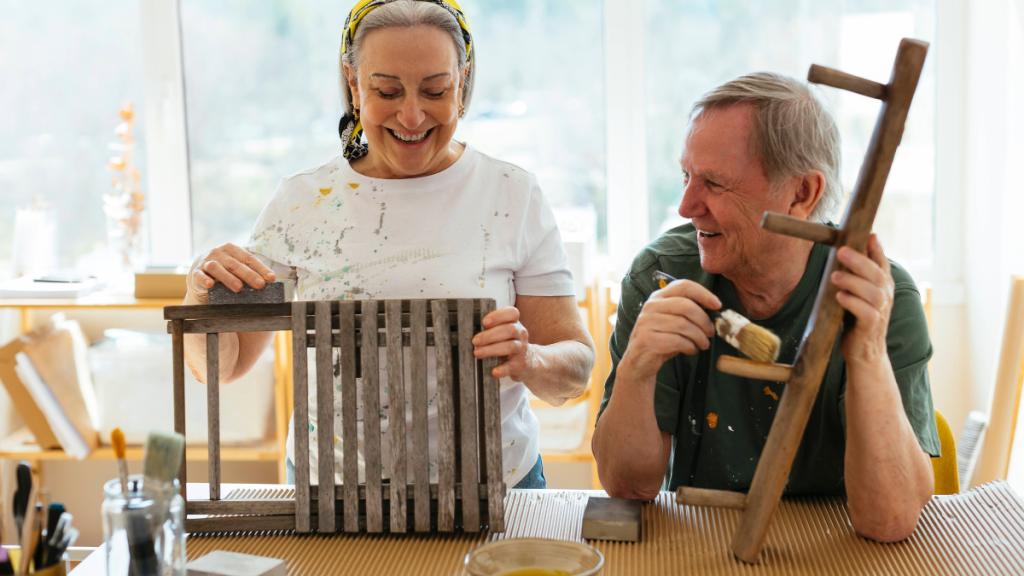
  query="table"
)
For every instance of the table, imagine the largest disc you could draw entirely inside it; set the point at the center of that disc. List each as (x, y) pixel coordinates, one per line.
(978, 532)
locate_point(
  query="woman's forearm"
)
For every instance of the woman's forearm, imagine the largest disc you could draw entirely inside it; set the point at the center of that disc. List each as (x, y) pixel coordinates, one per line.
(238, 352)
(560, 371)
(889, 478)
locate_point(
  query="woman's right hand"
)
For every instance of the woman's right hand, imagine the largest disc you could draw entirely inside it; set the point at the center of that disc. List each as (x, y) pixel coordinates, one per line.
(229, 265)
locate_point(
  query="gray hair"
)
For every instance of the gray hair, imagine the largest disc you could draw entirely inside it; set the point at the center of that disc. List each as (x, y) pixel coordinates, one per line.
(794, 131)
(406, 14)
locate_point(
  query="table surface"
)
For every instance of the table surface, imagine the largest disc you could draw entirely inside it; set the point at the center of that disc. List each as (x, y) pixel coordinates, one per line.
(977, 532)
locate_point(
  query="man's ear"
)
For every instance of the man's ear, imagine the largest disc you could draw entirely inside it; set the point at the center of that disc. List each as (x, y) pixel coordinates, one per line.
(353, 85)
(809, 190)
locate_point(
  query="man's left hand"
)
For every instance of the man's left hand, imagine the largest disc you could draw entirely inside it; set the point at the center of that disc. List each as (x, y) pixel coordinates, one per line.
(503, 336)
(866, 290)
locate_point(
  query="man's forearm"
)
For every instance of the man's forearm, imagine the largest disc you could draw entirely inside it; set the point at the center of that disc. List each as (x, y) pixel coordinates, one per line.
(628, 444)
(888, 477)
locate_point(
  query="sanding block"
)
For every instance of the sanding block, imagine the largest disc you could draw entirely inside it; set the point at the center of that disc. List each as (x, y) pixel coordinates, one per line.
(221, 563)
(276, 292)
(612, 519)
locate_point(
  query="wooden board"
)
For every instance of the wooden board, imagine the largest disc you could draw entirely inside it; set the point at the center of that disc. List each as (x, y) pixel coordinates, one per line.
(371, 423)
(325, 413)
(467, 412)
(349, 401)
(445, 418)
(420, 439)
(178, 367)
(213, 411)
(300, 371)
(491, 407)
(396, 413)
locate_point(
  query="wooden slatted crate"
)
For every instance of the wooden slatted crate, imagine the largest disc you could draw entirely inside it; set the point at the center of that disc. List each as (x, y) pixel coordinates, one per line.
(469, 492)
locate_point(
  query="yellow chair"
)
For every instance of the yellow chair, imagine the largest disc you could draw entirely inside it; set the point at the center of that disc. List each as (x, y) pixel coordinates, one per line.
(947, 477)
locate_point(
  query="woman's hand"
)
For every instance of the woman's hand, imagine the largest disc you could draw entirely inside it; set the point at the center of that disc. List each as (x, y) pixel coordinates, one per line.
(506, 338)
(866, 290)
(672, 321)
(229, 265)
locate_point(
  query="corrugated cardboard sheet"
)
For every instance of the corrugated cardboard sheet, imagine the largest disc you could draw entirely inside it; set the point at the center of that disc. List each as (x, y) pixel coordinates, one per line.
(979, 532)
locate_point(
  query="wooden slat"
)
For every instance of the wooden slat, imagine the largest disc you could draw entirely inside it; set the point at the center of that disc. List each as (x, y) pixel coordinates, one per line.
(325, 412)
(491, 404)
(420, 439)
(396, 413)
(213, 412)
(745, 368)
(349, 406)
(225, 325)
(178, 359)
(260, 506)
(371, 421)
(705, 497)
(844, 81)
(190, 312)
(467, 410)
(445, 418)
(300, 367)
(800, 228)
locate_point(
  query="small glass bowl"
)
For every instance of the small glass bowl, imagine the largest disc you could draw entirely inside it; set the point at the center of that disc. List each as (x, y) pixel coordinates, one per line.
(503, 556)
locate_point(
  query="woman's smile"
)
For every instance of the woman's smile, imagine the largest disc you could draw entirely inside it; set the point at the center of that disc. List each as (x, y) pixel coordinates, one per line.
(410, 141)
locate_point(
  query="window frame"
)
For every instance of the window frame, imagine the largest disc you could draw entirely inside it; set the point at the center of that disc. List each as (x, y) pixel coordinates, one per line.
(625, 140)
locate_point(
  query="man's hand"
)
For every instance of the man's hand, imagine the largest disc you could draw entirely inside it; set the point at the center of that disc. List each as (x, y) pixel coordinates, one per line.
(672, 321)
(505, 337)
(867, 291)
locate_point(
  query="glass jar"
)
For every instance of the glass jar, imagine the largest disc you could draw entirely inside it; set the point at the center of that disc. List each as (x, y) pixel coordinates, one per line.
(144, 530)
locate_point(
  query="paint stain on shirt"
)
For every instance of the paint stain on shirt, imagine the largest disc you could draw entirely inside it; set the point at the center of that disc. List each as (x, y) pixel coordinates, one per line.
(768, 392)
(712, 419)
(326, 191)
(353, 185)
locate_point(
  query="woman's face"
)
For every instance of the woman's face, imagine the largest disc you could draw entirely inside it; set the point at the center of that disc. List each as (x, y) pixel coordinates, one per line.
(408, 92)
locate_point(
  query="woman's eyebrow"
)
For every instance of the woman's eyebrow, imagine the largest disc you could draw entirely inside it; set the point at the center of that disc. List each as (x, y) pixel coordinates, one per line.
(431, 77)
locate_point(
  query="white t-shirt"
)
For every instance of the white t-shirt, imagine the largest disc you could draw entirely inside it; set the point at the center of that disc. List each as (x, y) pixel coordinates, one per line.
(480, 229)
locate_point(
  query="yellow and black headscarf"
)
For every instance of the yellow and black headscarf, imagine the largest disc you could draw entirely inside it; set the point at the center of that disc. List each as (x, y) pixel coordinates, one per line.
(350, 128)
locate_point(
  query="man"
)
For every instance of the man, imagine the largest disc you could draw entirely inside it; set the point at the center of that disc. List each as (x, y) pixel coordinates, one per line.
(764, 142)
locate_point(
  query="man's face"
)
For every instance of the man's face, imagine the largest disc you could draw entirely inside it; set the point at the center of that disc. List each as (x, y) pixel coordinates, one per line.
(726, 192)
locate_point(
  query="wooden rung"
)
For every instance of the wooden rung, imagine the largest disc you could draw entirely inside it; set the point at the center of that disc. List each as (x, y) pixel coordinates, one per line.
(300, 381)
(716, 498)
(837, 79)
(178, 355)
(213, 411)
(751, 369)
(190, 312)
(467, 411)
(420, 445)
(371, 425)
(396, 413)
(325, 411)
(790, 226)
(445, 418)
(349, 406)
(491, 404)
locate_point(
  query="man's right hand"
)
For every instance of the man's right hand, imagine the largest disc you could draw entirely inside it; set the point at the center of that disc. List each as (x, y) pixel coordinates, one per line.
(229, 265)
(672, 321)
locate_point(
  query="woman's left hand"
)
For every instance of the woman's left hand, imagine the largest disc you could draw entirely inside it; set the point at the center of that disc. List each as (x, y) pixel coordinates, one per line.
(866, 290)
(504, 337)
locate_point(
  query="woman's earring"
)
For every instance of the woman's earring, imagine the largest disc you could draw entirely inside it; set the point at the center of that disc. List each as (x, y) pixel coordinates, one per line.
(462, 110)
(356, 113)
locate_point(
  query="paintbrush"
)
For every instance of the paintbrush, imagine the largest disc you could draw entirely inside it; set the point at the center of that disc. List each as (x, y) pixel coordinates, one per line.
(117, 440)
(161, 457)
(755, 342)
(28, 535)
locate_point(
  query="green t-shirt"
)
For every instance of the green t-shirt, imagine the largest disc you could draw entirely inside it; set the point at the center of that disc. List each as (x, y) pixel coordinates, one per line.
(719, 422)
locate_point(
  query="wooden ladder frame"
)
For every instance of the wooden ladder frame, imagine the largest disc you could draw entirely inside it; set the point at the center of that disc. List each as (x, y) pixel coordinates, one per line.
(803, 379)
(468, 404)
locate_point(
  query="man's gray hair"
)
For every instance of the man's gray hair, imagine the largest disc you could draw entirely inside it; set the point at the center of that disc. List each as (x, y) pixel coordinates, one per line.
(406, 14)
(794, 131)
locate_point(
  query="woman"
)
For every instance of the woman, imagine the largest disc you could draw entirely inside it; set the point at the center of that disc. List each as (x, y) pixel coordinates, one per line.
(415, 214)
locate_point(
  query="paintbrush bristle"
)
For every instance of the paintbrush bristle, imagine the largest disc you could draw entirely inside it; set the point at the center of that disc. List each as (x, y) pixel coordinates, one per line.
(758, 343)
(117, 440)
(162, 456)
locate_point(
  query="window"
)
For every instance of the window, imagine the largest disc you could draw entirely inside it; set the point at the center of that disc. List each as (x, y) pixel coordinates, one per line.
(263, 102)
(693, 46)
(65, 68)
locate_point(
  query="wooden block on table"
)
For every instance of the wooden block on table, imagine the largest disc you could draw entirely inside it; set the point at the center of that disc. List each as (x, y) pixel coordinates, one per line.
(612, 519)
(221, 563)
(276, 292)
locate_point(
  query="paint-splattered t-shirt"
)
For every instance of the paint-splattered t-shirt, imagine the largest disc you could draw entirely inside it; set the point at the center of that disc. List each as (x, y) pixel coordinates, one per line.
(479, 229)
(720, 422)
